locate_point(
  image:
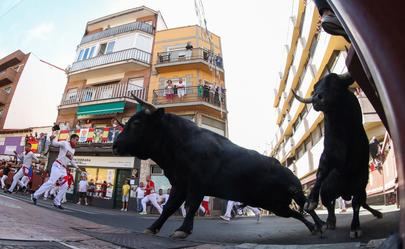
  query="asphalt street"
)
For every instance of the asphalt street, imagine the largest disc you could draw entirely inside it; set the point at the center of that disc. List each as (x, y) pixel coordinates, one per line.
(271, 229)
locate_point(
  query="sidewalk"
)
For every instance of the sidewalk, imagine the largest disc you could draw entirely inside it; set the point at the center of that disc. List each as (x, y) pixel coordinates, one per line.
(23, 224)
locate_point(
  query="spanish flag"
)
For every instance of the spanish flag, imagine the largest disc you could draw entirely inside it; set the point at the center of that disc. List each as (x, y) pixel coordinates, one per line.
(63, 135)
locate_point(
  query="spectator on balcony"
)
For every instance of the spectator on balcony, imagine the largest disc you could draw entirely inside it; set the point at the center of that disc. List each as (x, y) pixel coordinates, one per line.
(212, 94)
(88, 124)
(200, 88)
(78, 126)
(329, 21)
(169, 90)
(189, 50)
(216, 96)
(206, 92)
(55, 128)
(181, 89)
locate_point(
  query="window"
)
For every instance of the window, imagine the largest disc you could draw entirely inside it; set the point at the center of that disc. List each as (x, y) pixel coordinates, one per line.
(79, 58)
(135, 84)
(99, 175)
(144, 43)
(71, 94)
(86, 52)
(110, 47)
(156, 170)
(88, 94)
(101, 51)
(91, 52)
(7, 89)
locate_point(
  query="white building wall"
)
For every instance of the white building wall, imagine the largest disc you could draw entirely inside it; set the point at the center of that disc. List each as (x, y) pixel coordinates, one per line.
(37, 96)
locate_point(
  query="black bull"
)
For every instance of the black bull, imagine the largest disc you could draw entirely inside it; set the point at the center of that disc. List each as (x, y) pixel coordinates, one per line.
(200, 163)
(343, 166)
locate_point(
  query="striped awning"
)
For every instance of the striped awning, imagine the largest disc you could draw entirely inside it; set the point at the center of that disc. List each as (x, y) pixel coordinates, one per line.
(101, 109)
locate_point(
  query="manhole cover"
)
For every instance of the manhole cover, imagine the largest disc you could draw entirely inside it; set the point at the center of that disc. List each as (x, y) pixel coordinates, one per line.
(139, 240)
(16, 244)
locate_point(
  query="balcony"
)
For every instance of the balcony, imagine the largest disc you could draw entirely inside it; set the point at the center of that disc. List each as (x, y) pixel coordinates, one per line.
(193, 96)
(3, 97)
(286, 122)
(291, 75)
(320, 50)
(294, 106)
(189, 59)
(141, 26)
(12, 60)
(306, 82)
(99, 135)
(98, 94)
(369, 113)
(7, 76)
(304, 165)
(117, 62)
(308, 19)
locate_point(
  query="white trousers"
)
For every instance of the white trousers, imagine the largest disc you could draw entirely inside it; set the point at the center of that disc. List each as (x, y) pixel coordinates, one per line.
(229, 207)
(3, 179)
(153, 199)
(24, 181)
(16, 179)
(57, 172)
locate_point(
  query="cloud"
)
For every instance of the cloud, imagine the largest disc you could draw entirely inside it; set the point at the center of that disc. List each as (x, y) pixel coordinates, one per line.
(40, 32)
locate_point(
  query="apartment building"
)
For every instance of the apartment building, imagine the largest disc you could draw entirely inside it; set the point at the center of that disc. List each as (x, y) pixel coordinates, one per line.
(133, 52)
(30, 88)
(310, 53)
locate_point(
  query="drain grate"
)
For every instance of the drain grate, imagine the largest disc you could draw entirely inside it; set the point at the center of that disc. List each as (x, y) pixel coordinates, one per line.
(23, 244)
(140, 240)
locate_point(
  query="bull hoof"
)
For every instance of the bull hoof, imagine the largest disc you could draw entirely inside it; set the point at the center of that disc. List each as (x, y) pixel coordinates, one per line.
(149, 231)
(179, 235)
(378, 215)
(330, 225)
(321, 228)
(310, 206)
(355, 234)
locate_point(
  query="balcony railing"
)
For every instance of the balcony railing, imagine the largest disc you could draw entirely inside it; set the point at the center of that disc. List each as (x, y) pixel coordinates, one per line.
(105, 135)
(147, 28)
(7, 76)
(123, 55)
(184, 55)
(3, 97)
(95, 93)
(192, 94)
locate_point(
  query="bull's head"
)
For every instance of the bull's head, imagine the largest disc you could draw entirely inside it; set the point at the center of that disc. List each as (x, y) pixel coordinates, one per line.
(139, 133)
(328, 92)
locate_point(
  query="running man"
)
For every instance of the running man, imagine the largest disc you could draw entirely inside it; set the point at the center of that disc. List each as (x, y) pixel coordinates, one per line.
(25, 158)
(58, 170)
(227, 216)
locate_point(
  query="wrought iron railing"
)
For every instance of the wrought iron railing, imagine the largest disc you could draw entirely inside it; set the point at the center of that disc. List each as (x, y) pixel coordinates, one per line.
(145, 27)
(192, 94)
(111, 91)
(185, 55)
(123, 55)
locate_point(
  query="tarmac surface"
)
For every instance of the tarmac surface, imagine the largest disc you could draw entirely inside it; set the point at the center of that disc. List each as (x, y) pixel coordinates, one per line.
(89, 227)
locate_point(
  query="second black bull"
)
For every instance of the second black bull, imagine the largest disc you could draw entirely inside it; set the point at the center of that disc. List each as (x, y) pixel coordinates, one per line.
(200, 163)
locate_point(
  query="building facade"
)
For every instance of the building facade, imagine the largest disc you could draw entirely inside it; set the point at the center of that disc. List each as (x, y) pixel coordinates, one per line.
(133, 53)
(30, 88)
(310, 53)
(113, 62)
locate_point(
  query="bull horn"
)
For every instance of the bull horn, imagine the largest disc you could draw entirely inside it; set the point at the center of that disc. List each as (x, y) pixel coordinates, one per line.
(301, 99)
(148, 106)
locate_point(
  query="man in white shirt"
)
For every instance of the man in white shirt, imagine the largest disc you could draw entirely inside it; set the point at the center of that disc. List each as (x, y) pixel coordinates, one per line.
(140, 194)
(26, 158)
(58, 170)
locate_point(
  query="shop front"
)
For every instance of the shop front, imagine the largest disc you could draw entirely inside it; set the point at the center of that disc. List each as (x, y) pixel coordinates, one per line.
(108, 173)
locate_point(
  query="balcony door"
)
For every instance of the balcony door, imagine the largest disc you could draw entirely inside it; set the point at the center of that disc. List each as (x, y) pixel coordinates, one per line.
(135, 86)
(88, 94)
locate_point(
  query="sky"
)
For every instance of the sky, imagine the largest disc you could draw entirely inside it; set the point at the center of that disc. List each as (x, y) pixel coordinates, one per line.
(252, 34)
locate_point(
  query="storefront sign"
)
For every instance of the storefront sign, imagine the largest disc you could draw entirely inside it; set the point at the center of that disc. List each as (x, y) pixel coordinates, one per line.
(105, 162)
